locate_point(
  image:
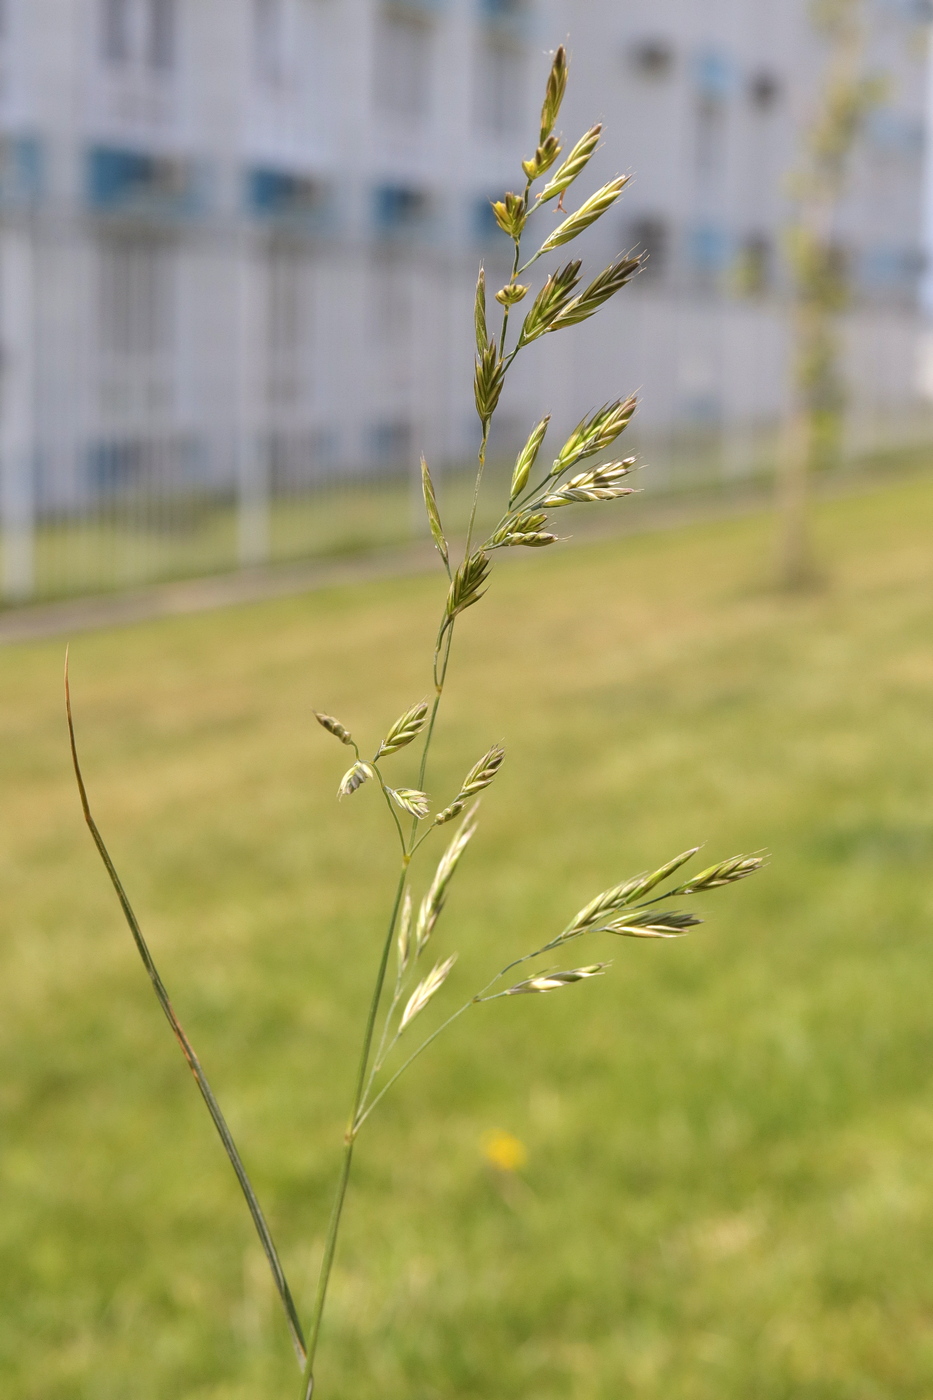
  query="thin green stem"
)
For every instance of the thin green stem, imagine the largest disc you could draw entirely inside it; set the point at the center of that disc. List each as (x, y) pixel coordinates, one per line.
(476, 488)
(410, 1061)
(333, 1230)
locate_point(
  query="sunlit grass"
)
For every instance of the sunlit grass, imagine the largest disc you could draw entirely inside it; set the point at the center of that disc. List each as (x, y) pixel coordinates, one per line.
(728, 1189)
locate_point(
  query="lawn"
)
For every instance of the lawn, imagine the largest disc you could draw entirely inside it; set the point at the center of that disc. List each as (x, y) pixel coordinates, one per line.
(729, 1181)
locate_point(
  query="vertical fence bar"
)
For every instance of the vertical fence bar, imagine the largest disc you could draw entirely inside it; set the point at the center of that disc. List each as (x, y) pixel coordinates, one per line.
(17, 445)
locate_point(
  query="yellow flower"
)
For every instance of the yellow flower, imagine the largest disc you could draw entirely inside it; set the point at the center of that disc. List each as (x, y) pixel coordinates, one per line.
(505, 1152)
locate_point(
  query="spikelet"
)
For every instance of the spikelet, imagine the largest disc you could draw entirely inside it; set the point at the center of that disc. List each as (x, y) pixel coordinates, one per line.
(354, 778)
(595, 913)
(511, 214)
(434, 517)
(726, 872)
(590, 210)
(526, 460)
(404, 730)
(554, 94)
(595, 434)
(573, 166)
(488, 381)
(601, 484)
(426, 990)
(333, 726)
(543, 158)
(433, 902)
(511, 294)
(599, 291)
(403, 942)
(642, 923)
(479, 314)
(553, 298)
(553, 981)
(415, 803)
(466, 585)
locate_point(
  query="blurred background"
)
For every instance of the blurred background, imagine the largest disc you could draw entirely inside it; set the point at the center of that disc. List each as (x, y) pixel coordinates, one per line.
(238, 244)
(238, 247)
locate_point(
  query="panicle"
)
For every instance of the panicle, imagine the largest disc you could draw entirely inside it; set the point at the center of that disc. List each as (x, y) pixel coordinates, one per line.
(553, 298)
(590, 210)
(354, 778)
(434, 516)
(553, 981)
(554, 94)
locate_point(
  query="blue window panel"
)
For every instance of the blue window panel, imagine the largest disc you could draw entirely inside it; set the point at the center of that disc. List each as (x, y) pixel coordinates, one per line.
(21, 170)
(709, 248)
(120, 179)
(400, 209)
(281, 194)
(715, 75)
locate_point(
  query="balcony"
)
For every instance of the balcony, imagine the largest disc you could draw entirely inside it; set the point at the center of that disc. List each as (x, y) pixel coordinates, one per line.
(139, 184)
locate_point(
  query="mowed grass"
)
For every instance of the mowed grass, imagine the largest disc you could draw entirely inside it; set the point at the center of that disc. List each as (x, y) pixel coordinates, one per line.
(729, 1186)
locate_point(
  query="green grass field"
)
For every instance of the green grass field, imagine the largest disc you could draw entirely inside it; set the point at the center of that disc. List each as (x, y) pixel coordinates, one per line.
(729, 1186)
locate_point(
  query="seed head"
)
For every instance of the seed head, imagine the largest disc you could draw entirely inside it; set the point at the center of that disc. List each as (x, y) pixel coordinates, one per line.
(594, 914)
(512, 294)
(727, 872)
(415, 803)
(404, 730)
(599, 291)
(644, 923)
(575, 163)
(553, 981)
(426, 990)
(404, 935)
(543, 158)
(466, 585)
(591, 210)
(333, 726)
(354, 778)
(600, 484)
(592, 435)
(526, 460)
(554, 94)
(488, 381)
(510, 214)
(554, 296)
(433, 902)
(479, 313)
(434, 518)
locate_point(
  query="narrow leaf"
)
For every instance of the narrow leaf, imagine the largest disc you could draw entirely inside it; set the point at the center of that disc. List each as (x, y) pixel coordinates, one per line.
(187, 1049)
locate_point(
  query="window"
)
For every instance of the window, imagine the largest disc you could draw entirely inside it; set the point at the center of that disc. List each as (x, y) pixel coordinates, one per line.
(500, 90)
(269, 41)
(115, 30)
(402, 73)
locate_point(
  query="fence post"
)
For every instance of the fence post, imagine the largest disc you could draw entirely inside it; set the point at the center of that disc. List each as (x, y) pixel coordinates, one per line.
(17, 446)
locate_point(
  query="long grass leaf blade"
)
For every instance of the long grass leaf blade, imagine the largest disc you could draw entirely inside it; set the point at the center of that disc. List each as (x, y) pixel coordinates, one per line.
(194, 1064)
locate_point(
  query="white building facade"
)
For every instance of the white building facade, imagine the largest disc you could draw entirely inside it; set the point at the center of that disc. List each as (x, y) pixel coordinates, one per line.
(239, 238)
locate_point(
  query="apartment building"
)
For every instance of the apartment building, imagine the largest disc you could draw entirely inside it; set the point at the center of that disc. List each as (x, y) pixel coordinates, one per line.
(238, 238)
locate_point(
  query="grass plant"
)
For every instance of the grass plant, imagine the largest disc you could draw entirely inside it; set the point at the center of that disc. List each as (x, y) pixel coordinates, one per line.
(636, 907)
